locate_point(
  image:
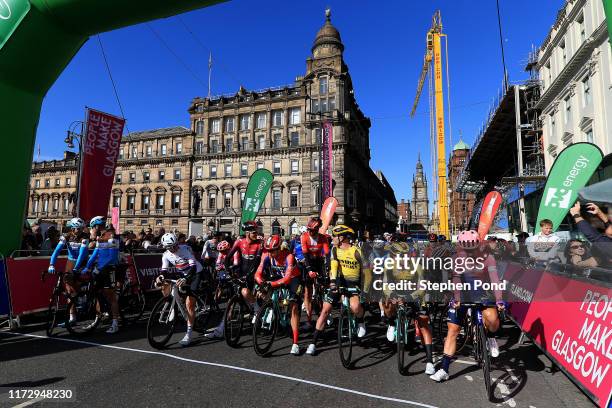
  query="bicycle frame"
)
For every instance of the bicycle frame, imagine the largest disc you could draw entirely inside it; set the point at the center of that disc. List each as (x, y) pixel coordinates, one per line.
(176, 300)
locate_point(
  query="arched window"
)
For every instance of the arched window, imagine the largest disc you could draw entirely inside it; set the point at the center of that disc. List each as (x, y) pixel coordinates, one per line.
(276, 228)
(260, 227)
(294, 227)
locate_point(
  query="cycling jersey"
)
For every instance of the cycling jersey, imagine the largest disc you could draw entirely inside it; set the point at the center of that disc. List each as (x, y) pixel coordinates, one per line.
(77, 250)
(250, 255)
(281, 267)
(210, 250)
(297, 250)
(106, 252)
(346, 263)
(314, 248)
(183, 259)
(488, 273)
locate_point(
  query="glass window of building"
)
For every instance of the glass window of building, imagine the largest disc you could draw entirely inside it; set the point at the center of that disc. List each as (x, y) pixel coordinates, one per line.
(134, 152)
(68, 181)
(176, 201)
(295, 116)
(229, 125)
(146, 176)
(568, 109)
(214, 146)
(132, 177)
(260, 165)
(214, 125)
(200, 127)
(295, 166)
(228, 170)
(164, 149)
(245, 143)
(131, 201)
(261, 120)
(589, 135)
(179, 148)
(244, 170)
(315, 164)
(161, 175)
(293, 198)
(160, 201)
(245, 122)
(199, 147)
(563, 50)
(586, 91)
(229, 144)
(37, 184)
(213, 171)
(277, 140)
(199, 172)
(324, 106)
(118, 178)
(323, 86)
(47, 182)
(276, 199)
(295, 139)
(212, 200)
(242, 194)
(262, 142)
(149, 150)
(581, 29)
(227, 200)
(121, 154)
(277, 118)
(332, 104)
(276, 167)
(145, 202)
(177, 174)
(314, 106)
(57, 182)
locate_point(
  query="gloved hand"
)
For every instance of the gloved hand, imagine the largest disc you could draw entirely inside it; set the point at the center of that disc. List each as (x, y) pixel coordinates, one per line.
(454, 304)
(181, 282)
(312, 274)
(51, 269)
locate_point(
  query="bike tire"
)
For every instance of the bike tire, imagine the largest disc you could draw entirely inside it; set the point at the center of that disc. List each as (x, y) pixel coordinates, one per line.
(234, 320)
(400, 339)
(52, 313)
(204, 309)
(131, 304)
(485, 361)
(87, 315)
(345, 337)
(162, 321)
(265, 329)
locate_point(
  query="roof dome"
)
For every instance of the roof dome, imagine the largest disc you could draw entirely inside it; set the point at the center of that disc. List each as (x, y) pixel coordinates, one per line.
(461, 146)
(328, 34)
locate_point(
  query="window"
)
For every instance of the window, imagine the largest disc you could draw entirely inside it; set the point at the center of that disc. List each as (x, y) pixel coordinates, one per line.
(132, 177)
(276, 140)
(260, 166)
(214, 146)
(214, 125)
(276, 168)
(317, 195)
(276, 228)
(37, 184)
(315, 164)
(160, 201)
(145, 202)
(131, 201)
(323, 85)
(161, 176)
(262, 142)
(200, 127)
(212, 201)
(134, 152)
(164, 150)
(146, 176)
(295, 166)
(245, 122)
(228, 170)
(276, 199)
(177, 174)
(314, 107)
(199, 147)
(213, 171)
(35, 206)
(175, 222)
(294, 119)
(68, 181)
(149, 151)
(589, 135)
(56, 204)
(200, 108)
(118, 178)
(229, 144)
(242, 194)
(131, 222)
(179, 148)
(350, 197)
(586, 91)
(293, 198)
(295, 139)
(245, 143)
(563, 51)
(45, 204)
(57, 182)
(143, 222)
(568, 109)
(227, 199)
(277, 118)
(121, 154)
(159, 222)
(244, 170)
(198, 172)
(553, 127)
(47, 182)
(67, 202)
(323, 105)
(176, 201)
(261, 120)
(332, 104)
(581, 29)
(229, 125)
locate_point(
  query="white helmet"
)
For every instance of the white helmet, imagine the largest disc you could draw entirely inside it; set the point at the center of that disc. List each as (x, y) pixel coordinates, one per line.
(98, 220)
(169, 240)
(303, 229)
(76, 223)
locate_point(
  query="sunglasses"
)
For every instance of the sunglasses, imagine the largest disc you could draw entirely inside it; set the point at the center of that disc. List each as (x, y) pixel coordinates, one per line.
(577, 246)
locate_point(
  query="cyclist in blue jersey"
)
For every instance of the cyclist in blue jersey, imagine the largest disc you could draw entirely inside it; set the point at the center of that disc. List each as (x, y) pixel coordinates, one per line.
(75, 242)
(105, 258)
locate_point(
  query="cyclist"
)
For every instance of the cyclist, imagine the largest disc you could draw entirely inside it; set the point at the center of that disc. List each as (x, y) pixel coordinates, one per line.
(105, 257)
(76, 243)
(470, 247)
(210, 252)
(184, 261)
(278, 268)
(221, 273)
(346, 270)
(250, 249)
(315, 247)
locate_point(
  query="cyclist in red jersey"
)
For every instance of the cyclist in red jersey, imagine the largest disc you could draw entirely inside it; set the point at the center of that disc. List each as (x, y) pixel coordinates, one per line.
(250, 249)
(315, 247)
(278, 268)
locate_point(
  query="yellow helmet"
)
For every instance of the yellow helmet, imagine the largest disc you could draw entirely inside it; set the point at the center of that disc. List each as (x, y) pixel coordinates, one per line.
(340, 230)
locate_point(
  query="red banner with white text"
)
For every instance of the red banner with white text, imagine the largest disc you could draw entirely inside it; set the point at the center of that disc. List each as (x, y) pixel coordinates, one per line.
(327, 159)
(100, 150)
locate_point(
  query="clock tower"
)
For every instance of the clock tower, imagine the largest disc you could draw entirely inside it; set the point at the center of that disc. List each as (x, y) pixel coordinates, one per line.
(420, 200)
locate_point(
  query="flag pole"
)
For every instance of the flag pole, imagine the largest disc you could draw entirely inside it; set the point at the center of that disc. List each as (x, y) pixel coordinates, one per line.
(209, 72)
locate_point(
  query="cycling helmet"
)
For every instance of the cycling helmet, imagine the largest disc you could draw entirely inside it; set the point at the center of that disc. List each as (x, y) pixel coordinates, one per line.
(314, 224)
(441, 238)
(388, 235)
(223, 246)
(76, 223)
(272, 243)
(303, 229)
(169, 240)
(342, 230)
(431, 237)
(99, 220)
(468, 239)
(249, 226)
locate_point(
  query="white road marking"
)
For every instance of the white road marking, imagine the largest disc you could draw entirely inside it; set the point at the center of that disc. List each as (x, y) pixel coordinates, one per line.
(248, 370)
(469, 378)
(30, 402)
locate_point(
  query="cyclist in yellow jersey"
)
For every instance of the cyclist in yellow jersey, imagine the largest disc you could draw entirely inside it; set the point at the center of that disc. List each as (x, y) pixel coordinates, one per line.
(346, 271)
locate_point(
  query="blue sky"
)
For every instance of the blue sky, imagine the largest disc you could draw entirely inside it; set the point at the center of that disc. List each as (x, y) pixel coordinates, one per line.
(265, 43)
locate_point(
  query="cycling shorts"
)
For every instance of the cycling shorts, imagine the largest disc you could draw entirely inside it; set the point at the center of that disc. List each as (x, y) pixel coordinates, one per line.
(457, 315)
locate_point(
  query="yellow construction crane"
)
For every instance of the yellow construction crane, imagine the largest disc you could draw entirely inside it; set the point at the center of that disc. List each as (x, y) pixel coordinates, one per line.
(433, 55)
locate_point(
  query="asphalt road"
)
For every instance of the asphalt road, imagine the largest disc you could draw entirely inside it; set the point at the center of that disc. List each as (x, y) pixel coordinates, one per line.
(123, 370)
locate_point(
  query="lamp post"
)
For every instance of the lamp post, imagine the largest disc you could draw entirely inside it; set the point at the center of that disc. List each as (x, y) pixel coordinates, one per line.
(71, 136)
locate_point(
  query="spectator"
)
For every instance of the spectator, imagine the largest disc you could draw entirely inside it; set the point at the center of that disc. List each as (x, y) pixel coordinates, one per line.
(50, 242)
(544, 245)
(158, 235)
(577, 253)
(587, 229)
(38, 237)
(28, 241)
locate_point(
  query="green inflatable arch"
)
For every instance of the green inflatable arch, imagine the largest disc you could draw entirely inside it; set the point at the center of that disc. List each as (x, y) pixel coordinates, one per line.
(37, 40)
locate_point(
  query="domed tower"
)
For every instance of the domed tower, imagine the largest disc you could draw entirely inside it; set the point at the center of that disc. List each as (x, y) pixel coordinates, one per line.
(420, 199)
(327, 50)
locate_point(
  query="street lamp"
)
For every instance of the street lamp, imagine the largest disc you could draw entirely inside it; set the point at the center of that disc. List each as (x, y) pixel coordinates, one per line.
(71, 135)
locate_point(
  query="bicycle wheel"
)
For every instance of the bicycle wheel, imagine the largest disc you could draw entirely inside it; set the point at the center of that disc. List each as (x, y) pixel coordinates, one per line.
(131, 304)
(88, 314)
(162, 321)
(234, 320)
(485, 361)
(400, 339)
(345, 336)
(442, 330)
(203, 311)
(265, 328)
(52, 313)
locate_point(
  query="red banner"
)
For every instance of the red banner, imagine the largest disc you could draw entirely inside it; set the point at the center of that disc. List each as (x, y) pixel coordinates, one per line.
(98, 160)
(327, 213)
(327, 159)
(490, 206)
(115, 219)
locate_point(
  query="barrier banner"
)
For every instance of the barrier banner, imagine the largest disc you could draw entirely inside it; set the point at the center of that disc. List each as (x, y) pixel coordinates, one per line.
(490, 205)
(148, 267)
(257, 189)
(569, 173)
(522, 283)
(327, 159)
(28, 293)
(100, 151)
(577, 335)
(4, 294)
